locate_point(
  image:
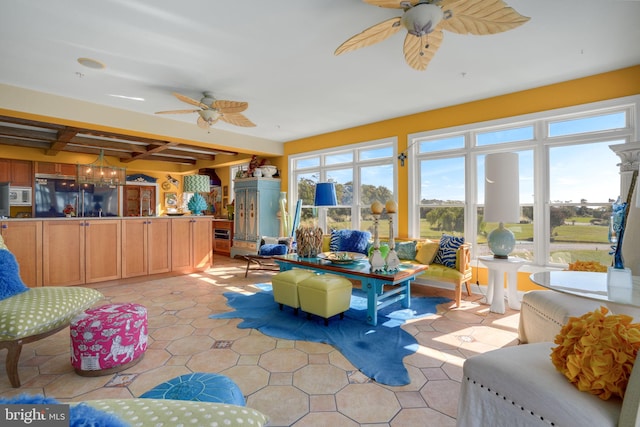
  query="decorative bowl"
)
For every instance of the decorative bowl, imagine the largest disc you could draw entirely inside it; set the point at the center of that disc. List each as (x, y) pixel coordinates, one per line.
(268, 171)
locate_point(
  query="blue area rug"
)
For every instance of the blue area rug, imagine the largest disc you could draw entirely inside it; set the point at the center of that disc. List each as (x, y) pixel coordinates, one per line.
(377, 351)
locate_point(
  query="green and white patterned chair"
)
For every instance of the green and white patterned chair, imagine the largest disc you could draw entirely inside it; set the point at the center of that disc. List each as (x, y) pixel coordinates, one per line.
(31, 314)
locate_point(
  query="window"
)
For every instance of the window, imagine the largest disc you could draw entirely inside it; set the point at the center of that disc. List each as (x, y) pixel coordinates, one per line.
(362, 173)
(569, 178)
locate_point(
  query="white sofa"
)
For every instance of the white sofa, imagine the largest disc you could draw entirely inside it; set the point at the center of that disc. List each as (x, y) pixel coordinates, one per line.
(520, 386)
(544, 313)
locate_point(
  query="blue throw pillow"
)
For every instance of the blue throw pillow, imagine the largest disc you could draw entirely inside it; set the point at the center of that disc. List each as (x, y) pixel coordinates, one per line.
(350, 241)
(10, 282)
(447, 251)
(271, 249)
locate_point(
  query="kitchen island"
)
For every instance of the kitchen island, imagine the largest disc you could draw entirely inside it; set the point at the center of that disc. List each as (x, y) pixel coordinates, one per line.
(75, 251)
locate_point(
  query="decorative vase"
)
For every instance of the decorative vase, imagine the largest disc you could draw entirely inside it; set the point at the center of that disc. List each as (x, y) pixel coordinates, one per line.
(197, 204)
(309, 241)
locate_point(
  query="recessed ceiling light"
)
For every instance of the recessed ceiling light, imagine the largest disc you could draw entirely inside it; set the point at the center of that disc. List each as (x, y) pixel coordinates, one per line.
(91, 63)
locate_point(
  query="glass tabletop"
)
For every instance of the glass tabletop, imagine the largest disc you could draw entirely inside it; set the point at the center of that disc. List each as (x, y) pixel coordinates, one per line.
(588, 284)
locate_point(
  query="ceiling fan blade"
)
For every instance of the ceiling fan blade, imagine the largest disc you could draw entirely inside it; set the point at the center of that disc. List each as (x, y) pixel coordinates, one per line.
(391, 4)
(237, 119)
(189, 100)
(480, 17)
(371, 35)
(177, 112)
(202, 123)
(418, 51)
(230, 106)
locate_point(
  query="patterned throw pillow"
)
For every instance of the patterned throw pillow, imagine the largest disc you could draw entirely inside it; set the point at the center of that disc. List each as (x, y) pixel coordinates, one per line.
(406, 250)
(350, 241)
(447, 252)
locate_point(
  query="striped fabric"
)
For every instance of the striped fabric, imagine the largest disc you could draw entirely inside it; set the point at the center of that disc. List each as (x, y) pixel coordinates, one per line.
(447, 252)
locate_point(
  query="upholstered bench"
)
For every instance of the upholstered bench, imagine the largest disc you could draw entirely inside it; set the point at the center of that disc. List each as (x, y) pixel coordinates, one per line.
(285, 287)
(36, 314)
(170, 413)
(108, 339)
(325, 295)
(520, 386)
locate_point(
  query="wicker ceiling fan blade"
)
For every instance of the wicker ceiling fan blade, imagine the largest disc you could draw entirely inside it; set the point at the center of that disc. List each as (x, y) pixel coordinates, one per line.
(419, 51)
(177, 112)
(189, 100)
(225, 106)
(390, 4)
(237, 119)
(371, 35)
(480, 17)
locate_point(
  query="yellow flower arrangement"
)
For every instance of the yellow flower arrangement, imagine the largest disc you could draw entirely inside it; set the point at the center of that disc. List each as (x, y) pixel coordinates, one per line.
(587, 266)
(596, 352)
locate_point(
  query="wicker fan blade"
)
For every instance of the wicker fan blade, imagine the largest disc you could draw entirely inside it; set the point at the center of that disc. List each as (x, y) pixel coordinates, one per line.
(418, 51)
(177, 112)
(190, 101)
(237, 119)
(371, 35)
(391, 4)
(230, 106)
(480, 17)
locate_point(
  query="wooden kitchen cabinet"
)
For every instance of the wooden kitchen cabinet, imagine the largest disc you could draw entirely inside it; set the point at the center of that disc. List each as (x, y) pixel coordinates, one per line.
(139, 200)
(18, 172)
(146, 246)
(61, 169)
(103, 250)
(63, 254)
(191, 243)
(222, 236)
(24, 240)
(77, 251)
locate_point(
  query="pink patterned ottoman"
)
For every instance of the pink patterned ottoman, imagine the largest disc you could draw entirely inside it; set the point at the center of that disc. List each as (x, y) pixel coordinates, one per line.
(108, 339)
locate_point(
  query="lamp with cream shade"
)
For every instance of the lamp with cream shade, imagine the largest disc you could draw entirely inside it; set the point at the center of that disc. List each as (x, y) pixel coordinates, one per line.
(501, 200)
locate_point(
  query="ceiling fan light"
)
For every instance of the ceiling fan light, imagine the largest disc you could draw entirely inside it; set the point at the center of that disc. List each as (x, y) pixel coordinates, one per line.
(422, 19)
(209, 115)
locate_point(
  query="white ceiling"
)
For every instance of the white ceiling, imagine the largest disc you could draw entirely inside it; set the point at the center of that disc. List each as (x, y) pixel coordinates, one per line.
(278, 56)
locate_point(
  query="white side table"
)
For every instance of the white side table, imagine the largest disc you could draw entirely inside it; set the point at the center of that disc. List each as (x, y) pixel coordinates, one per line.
(495, 288)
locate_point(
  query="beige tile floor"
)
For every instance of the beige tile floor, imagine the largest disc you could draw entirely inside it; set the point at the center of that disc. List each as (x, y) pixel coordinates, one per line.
(295, 382)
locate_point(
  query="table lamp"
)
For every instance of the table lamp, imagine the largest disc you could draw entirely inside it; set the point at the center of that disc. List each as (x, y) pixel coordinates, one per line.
(375, 257)
(501, 200)
(196, 184)
(325, 194)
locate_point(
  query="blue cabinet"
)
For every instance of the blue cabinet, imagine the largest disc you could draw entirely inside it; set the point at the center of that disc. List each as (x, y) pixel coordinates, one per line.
(256, 213)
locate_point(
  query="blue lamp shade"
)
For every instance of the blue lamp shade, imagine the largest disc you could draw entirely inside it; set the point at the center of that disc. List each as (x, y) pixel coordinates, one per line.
(325, 194)
(501, 200)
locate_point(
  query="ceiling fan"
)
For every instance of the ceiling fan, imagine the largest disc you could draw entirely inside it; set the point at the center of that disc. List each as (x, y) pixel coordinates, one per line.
(425, 20)
(210, 110)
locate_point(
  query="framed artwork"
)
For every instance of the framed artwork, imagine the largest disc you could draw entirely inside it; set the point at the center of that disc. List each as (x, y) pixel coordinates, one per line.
(170, 200)
(225, 202)
(225, 192)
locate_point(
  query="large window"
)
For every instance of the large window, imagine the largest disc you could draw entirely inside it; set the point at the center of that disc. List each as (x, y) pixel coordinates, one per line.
(362, 173)
(569, 177)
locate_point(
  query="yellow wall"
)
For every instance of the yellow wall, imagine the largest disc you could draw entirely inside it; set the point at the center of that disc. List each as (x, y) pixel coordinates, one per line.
(615, 84)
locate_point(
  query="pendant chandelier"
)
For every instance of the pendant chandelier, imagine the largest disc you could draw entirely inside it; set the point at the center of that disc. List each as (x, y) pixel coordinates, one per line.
(101, 173)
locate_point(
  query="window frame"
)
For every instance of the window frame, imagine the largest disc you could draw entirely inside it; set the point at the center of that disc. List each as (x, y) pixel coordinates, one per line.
(540, 144)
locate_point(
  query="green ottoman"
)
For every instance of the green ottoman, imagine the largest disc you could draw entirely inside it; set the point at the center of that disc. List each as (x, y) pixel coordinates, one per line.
(285, 287)
(325, 295)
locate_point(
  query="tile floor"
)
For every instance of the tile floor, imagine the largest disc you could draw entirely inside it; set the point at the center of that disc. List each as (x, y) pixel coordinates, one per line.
(295, 382)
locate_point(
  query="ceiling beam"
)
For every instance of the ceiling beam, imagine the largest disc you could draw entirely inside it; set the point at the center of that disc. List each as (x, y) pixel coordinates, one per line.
(64, 136)
(151, 149)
